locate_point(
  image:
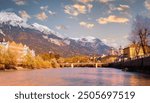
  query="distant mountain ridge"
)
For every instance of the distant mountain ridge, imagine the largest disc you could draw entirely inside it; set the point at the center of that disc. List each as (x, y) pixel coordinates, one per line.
(42, 39)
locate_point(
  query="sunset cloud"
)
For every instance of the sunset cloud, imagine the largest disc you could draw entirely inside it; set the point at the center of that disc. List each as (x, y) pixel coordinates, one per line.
(147, 4)
(112, 19)
(20, 2)
(122, 7)
(85, 1)
(77, 9)
(41, 16)
(24, 15)
(105, 1)
(86, 25)
(80, 8)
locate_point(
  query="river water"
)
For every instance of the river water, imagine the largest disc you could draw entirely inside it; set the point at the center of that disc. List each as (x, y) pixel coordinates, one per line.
(74, 77)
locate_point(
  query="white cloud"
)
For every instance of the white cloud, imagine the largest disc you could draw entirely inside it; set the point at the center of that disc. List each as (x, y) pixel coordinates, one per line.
(51, 12)
(147, 4)
(113, 19)
(44, 8)
(116, 41)
(61, 27)
(110, 42)
(20, 2)
(77, 9)
(121, 8)
(41, 16)
(24, 15)
(87, 25)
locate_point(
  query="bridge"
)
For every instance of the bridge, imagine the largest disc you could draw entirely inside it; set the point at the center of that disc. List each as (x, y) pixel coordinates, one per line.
(72, 65)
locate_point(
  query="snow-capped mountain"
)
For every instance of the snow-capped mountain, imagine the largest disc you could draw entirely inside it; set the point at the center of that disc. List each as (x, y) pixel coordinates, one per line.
(85, 39)
(92, 43)
(42, 39)
(45, 30)
(12, 19)
(88, 40)
(42, 28)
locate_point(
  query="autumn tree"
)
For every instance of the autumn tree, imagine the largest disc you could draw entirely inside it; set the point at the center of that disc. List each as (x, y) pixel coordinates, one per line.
(140, 33)
(29, 61)
(49, 56)
(7, 58)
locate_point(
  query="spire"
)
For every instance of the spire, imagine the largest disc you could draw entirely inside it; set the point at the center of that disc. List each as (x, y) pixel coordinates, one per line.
(4, 40)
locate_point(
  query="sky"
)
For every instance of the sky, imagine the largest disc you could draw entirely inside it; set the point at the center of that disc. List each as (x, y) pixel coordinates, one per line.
(108, 20)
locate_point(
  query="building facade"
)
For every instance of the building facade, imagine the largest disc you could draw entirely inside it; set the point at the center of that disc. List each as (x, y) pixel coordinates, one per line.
(134, 51)
(109, 59)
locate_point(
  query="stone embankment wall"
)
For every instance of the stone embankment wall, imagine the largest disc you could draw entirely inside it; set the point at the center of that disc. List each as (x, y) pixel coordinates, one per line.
(139, 65)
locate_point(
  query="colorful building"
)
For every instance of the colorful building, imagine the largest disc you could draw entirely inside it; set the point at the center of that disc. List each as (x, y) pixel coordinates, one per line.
(134, 51)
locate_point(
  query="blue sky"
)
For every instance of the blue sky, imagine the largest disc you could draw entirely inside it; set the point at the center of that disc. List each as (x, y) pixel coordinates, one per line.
(109, 20)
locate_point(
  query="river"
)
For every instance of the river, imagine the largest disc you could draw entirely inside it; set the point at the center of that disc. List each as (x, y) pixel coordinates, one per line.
(74, 77)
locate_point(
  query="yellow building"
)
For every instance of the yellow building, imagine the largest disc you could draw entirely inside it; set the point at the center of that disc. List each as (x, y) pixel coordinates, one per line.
(109, 59)
(134, 51)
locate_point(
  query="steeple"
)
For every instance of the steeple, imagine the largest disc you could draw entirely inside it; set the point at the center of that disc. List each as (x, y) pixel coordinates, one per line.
(4, 40)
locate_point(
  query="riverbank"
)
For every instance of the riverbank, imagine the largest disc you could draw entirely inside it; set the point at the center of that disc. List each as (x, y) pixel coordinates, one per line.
(141, 65)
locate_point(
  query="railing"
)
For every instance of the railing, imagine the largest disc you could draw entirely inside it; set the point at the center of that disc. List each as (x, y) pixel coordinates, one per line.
(72, 65)
(135, 58)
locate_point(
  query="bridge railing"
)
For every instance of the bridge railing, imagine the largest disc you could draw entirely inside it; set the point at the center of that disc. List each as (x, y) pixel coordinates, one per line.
(81, 65)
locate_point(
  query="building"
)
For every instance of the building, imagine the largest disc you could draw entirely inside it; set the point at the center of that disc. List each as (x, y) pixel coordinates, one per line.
(120, 51)
(134, 51)
(109, 59)
(19, 49)
(113, 51)
(3, 43)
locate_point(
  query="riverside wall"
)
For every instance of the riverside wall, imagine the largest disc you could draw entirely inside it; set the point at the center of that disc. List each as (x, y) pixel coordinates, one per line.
(137, 65)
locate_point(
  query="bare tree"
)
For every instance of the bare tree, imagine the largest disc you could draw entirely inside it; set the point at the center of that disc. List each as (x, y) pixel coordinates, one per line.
(140, 33)
(137, 48)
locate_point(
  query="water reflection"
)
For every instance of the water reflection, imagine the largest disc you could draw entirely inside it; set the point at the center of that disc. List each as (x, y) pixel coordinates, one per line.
(74, 77)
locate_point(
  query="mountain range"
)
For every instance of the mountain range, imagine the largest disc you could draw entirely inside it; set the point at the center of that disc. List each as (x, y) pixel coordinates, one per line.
(42, 39)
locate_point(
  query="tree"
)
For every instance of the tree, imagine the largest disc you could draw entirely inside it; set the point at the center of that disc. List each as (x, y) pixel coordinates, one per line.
(140, 33)
(29, 61)
(10, 58)
(49, 56)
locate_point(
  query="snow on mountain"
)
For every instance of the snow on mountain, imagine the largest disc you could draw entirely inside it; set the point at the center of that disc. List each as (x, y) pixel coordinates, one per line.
(89, 41)
(66, 41)
(12, 19)
(45, 29)
(42, 28)
(56, 41)
(85, 39)
(1, 32)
